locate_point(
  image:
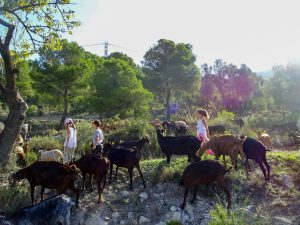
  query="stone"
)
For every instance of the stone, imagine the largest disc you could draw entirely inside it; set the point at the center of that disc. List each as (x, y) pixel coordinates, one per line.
(189, 209)
(115, 215)
(176, 216)
(125, 193)
(130, 215)
(95, 219)
(283, 220)
(161, 223)
(144, 195)
(288, 181)
(173, 208)
(122, 222)
(143, 220)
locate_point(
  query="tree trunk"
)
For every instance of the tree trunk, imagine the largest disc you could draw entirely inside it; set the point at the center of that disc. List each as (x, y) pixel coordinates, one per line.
(65, 113)
(17, 106)
(168, 104)
(17, 109)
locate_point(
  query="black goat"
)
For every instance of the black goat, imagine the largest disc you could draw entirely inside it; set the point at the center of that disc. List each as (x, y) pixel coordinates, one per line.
(177, 128)
(181, 145)
(123, 157)
(256, 151)
(216, 129)
(138, 144)
(203, 172)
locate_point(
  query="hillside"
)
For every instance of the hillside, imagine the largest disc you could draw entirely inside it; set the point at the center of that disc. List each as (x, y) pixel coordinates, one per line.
(254, 201)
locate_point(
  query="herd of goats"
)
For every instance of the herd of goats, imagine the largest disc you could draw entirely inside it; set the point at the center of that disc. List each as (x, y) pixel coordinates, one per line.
(49, 172)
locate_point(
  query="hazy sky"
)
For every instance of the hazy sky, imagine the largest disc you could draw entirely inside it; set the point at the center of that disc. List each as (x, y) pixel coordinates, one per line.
(258, 33)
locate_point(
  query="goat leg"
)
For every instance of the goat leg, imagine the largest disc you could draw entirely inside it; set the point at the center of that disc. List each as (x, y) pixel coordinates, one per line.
(141, 174)
(42, 193)
(195, 193)
(91, 182)
(116, 173)
(111, 166)
(83, 181)
(99, 188)
(130, 170)
(32, 187)
(221, 183)
(186, 191)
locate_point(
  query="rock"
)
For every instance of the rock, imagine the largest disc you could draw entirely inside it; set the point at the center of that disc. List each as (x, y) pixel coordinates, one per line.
(283, 220)
(173, 208)
(176, 216)
(143, 220)
(204, 222)
(144, 195)
(288, 181)
(125, 193)
(161, 223)
(189, 209)
(130, 215)
(115, 215)
(95, 219)
(79, 217)
(122, 222)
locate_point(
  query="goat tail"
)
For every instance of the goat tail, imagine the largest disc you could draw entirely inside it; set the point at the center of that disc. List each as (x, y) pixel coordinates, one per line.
(181, 183)
(226, 171)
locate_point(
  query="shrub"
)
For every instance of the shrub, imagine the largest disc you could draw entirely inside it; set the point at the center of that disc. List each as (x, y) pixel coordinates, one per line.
(30, 157)
(32, 110)
(174, 222)
(13, 198)
(44, 142)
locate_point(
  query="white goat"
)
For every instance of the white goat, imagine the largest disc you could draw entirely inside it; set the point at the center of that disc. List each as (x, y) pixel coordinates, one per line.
(52, 155)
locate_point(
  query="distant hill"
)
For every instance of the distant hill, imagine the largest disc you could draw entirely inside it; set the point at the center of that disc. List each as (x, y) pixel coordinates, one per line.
(267, 74)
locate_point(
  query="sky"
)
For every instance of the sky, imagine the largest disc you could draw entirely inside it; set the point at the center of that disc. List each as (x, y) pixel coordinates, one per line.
(258, 33)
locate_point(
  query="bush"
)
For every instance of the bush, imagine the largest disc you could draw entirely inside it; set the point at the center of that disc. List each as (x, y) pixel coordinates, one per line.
(174, 222)
(32, 110)
(13, 198)
(31, 157)
(129, 130)
(45, 143)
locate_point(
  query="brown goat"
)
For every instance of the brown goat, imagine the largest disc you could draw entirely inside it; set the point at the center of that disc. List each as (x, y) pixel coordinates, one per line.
(224, 145)
(93, 164)
(203, 172)
(52, 175)
(265, 139)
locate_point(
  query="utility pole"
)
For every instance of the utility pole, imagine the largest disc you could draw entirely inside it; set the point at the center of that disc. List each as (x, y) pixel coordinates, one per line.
(105, 49)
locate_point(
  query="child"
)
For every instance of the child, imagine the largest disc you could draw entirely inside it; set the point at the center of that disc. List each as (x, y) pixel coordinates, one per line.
(202, 129)
(97, 138)
(71, 140)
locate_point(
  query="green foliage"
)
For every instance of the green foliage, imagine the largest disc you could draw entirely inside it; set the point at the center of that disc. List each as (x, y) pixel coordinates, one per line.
(163, 172)
(170, 68)
(135, 130)
(31, 157)
(118, 91)
(174, 222)
(24, 82)
(84, 136)
(44, 143)
(32, 110)
(221, 216)
(13, 198)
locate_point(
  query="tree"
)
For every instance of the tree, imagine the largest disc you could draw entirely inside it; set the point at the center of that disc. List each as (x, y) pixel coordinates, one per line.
(170, 67)
(61, 72)
(227, 86)
(118, 90)
(25, 25)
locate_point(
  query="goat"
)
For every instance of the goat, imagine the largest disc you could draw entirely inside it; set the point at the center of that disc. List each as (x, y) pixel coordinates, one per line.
(182, 145)
(52, 155)
(123, 157)
(256, 151)
(93, 164)
(224, 145)
(265, 139)
(203, 172)
(216, 129)
(51, 175)
(178, 127)
(19, 151)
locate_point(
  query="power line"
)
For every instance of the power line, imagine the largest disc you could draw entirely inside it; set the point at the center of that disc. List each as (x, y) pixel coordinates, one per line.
(106, 44)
